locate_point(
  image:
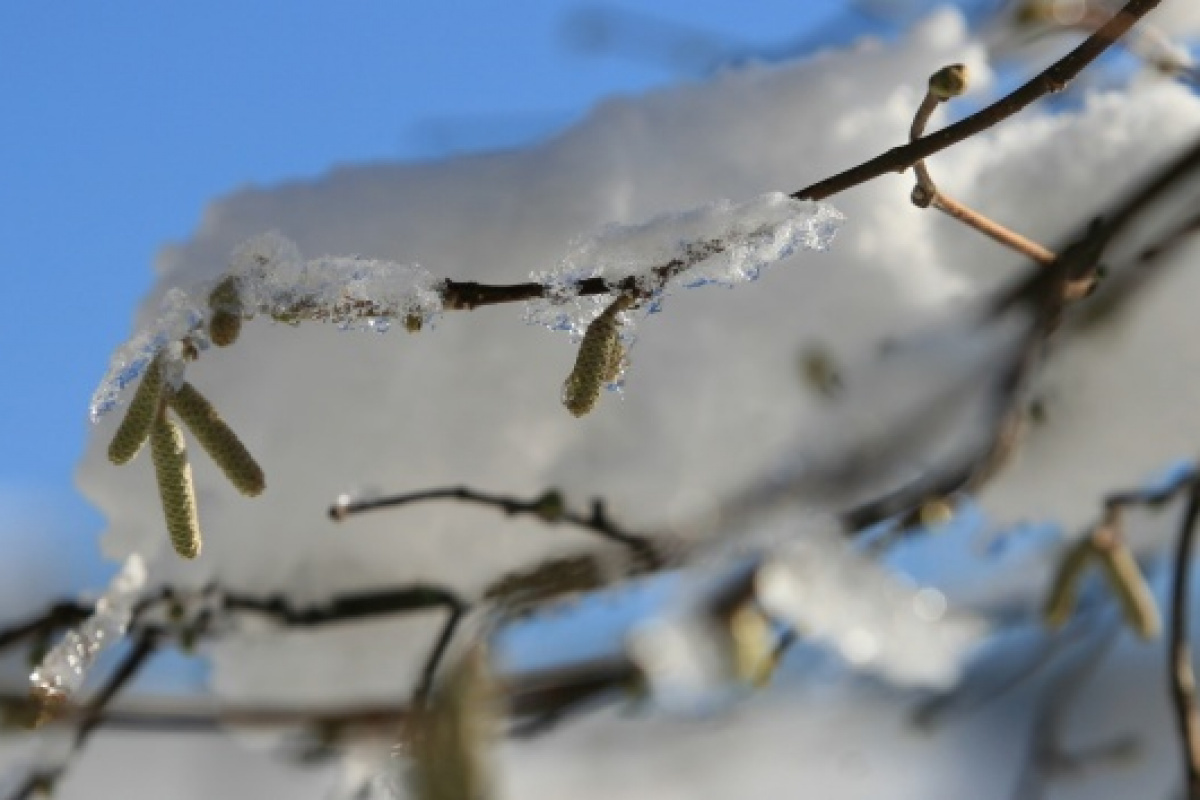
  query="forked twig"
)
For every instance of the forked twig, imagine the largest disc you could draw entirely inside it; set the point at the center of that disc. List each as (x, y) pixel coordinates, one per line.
(549, 507)
(944, 84)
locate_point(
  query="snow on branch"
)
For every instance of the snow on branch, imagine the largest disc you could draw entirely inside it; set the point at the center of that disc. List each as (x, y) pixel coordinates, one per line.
(268, 276)
(65, 666)
(722, 244)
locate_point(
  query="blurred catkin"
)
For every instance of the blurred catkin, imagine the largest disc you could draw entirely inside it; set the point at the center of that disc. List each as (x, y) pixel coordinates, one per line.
(175, 488)
(452, 737)
(139, 417)
(218, 440)
(1064, 589)
(1129, 585)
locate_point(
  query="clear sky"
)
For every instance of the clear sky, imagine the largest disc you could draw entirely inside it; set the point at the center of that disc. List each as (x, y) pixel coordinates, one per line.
(120, 121)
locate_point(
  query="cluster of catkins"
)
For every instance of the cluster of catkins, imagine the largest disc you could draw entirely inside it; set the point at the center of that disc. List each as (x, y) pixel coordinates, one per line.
(149, 417)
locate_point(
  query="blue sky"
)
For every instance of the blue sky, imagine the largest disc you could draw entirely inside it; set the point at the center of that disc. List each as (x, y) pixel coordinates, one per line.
(121, 121)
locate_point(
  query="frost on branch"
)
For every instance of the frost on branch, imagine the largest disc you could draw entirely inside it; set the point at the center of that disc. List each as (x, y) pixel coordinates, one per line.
(723, 243)
(65, 666)
(181, 315)
(269, 276)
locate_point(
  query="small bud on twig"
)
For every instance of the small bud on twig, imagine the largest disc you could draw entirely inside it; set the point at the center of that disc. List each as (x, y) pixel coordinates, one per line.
(224, 328)
(226, 304)
(551, 506)
(218, 440)
(948, 82)
(175, 488)
(139, 417)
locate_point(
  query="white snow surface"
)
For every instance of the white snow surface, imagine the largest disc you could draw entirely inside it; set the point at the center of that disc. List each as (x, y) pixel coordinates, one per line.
(715, 395)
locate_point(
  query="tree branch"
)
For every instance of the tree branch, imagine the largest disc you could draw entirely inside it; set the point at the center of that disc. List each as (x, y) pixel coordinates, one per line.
(1181, 678)
(145, 644)
(1053, 79)
(469, 295)
(548, 507)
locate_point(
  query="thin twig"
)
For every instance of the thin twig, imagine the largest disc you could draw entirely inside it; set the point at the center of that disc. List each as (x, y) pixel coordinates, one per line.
(469, 295)
(548, 507)
(1181, 678)
(434, 659)
(37, 783)
(1149, 38)
(926, 193)
(347, 607)
(1053, 79)
(536, 694)
(61, 615)
(1045, 752)
(145, 643)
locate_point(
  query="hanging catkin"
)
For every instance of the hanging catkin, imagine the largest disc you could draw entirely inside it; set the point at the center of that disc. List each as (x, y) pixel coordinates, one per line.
(598, 361)
(1129, 586)
(1064, 589)
(175, 488)
(218, 440)
(139, 417)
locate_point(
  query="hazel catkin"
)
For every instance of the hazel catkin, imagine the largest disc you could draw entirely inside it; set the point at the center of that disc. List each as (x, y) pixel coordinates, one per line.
(218, 440)
(598, 361)
(139, 417)
(175, 488)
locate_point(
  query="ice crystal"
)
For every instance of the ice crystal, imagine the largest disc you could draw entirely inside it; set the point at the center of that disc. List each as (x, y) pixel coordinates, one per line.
(65, 666)
(181, 315)
(722, 243)
(270, 277)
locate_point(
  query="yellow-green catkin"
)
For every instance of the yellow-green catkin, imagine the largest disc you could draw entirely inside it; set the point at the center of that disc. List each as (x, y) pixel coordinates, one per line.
(598, 361)
(752, 638)
(139, 417)
(1064, 589)
(1129, 585)
(948, 82)
(218, 440)
(175, 488)
(936, 512)
(451, 738)
(226, 304)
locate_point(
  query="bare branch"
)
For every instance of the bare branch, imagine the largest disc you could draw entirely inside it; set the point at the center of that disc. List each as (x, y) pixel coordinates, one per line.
(1053, 79)
(1181, 678)
(548, 507)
